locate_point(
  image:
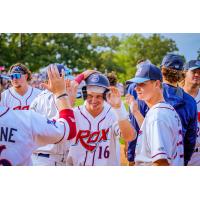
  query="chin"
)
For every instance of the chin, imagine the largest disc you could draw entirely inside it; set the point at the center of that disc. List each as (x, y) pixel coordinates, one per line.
(140, 97)
(17, 86)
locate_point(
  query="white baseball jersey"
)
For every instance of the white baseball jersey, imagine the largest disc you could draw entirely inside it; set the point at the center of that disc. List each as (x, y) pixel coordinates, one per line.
(23, 132)
(97, 140)
(45, 104)
(160, 137)
(195, 159)
(11, 99)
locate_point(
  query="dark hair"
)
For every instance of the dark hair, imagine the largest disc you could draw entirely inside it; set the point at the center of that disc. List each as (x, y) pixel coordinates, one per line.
(140, 61)
(112, 77)
(25, 69)
(172, 75)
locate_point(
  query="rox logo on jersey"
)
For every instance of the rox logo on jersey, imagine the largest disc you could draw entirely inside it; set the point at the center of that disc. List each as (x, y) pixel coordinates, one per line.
(21, 108)
(91, 140)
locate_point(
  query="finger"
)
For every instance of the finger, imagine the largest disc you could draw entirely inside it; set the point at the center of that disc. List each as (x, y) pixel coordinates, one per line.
(67, 83)
(45, 86)
(133, 99)
(50, 75)
(62, 74)
(55, 71)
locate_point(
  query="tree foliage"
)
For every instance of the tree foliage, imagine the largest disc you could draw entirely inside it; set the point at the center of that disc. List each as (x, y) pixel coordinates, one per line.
(136, 47)
(101, 51)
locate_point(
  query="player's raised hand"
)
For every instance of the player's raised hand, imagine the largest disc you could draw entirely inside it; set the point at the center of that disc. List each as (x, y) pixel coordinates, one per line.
(56, 83)
(114, 97)
(88, 73)
(71, 89)
(133, 105)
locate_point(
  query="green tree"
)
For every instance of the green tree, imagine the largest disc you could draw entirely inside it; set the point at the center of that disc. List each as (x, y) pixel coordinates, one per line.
(136, 47)
(103, 50)
(38, 50)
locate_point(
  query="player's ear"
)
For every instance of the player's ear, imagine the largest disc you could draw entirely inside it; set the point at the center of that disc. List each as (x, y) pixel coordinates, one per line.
(26, 75)
(158, 84)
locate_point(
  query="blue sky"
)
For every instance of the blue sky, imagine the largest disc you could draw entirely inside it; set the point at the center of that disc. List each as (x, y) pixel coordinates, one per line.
(187, 43)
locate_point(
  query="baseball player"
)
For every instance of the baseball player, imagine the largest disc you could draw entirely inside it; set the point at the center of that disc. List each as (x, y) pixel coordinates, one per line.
(54, 154)
(20, 95)
(23, 132)
(99, 125)
(184, 104)
(191, 86)
(160, 140)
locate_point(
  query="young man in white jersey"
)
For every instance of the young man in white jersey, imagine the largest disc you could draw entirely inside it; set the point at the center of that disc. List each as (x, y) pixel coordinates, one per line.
(160, 140)
(99, 125)
(23, 132)
(53, 154)
(21, 94)
(191, 85)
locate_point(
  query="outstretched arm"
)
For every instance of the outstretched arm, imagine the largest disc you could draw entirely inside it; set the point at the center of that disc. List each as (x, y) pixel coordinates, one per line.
(130, 100)
(126, 129)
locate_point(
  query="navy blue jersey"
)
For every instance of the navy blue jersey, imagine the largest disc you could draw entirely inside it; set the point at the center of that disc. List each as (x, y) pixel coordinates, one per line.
(185, 106)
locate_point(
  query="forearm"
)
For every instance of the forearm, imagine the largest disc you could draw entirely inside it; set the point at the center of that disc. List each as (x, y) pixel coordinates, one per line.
(62, 103)
(127, 131)
(139, 117)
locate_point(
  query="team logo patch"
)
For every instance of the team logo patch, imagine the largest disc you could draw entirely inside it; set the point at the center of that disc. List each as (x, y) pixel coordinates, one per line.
(176, 66)
(140, 132)
(52, 122)
(138, 71)
(95, 78)
(90, 140)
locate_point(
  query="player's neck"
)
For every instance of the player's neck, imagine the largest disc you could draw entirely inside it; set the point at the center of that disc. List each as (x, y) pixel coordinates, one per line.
(191, 89)
(169, 83)
(155, 99)
(93, 112)
(21, 90)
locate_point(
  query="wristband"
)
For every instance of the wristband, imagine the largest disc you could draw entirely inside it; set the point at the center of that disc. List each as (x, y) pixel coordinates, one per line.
(121, 113)
(131, 107)
(62, 95)
(79, 78)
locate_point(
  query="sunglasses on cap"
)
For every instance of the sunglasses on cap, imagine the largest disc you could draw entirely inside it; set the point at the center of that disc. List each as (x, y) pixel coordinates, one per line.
(16, 76)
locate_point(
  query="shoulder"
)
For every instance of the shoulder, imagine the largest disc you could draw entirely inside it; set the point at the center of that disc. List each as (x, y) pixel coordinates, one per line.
(188, 98)
(36, 90)
(5, 92)
(160, 111)
(45, 94)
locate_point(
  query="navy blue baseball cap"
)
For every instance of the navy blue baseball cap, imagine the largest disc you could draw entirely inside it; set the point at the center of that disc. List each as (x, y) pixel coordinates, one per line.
(173, 61)
(192, 65)
(68, 72)
(146, 72)
(17, 70)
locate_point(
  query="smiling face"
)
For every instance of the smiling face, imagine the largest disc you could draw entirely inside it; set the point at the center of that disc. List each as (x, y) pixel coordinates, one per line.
(146, 90)
(94, 102)
(193, 77)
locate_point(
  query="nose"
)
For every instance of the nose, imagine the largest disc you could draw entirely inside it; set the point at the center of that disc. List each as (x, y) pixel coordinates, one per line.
(197, 73)
(94, 99)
